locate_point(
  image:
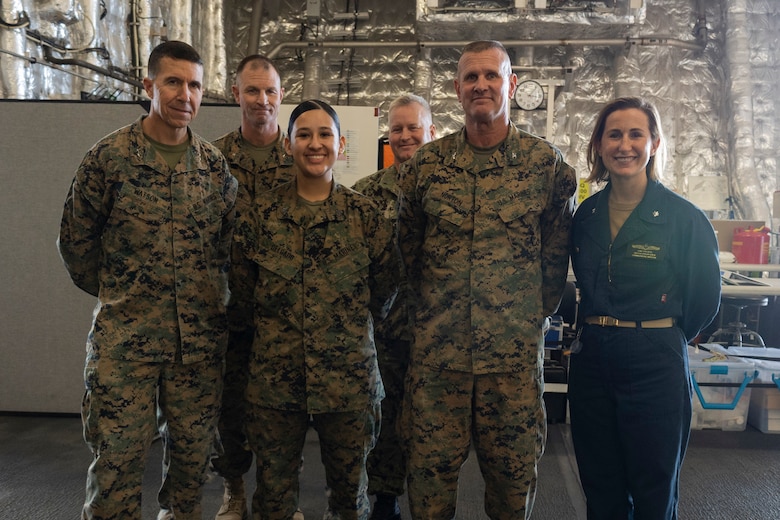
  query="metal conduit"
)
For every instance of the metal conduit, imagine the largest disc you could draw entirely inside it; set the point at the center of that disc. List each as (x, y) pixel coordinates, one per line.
(607, 42)
(255, 23)
(423, 75)
(745, 183)
(87, 65)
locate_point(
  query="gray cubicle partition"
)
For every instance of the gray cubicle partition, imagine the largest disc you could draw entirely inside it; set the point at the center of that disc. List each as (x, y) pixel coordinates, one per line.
(44, 318)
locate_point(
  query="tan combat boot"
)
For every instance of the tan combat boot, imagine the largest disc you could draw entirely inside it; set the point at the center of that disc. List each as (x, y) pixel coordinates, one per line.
(233, 501)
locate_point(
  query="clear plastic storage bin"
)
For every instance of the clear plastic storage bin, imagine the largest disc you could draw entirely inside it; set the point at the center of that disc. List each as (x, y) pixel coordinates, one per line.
(721, 396)
(764, 413)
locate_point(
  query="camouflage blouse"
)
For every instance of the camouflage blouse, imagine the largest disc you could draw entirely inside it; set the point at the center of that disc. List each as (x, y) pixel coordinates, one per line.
(152, 243)
(486, 249)
(316, 285)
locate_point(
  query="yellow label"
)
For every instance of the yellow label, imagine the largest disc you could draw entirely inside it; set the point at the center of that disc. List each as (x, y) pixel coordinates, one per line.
(583, 190)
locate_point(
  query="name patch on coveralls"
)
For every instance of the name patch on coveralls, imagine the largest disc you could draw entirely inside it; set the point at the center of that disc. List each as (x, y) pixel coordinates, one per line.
(645, 251)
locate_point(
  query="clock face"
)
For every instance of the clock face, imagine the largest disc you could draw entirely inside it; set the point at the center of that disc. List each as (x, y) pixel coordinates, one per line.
(529, 95)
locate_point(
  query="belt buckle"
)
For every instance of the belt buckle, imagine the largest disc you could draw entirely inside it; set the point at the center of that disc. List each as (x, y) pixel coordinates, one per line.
(607, 321)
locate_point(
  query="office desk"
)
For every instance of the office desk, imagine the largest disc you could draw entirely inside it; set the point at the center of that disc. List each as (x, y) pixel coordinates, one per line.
(772, 287)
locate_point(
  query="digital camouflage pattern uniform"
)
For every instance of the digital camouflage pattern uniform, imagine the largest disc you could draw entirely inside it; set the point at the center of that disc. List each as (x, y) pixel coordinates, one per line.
(486, 251)
(235, 458)
(386, 464)
(315, 283)
(152, 243)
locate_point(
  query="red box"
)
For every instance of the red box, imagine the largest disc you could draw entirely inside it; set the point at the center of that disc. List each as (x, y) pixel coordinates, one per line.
(751, 246)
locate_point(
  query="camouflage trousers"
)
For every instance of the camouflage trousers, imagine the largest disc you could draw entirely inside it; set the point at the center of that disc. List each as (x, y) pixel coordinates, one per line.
(386, 463)
(125, 404)
(234, 458)
(277, 438)
(501, 415)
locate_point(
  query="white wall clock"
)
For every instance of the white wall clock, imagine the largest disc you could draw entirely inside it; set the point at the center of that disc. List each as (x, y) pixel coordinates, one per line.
(529, 95)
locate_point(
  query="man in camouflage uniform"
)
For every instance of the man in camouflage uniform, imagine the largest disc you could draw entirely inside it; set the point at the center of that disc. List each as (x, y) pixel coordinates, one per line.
(255, 152)
(146, 228)
(485, 219)
(409, 126)
(320, 265)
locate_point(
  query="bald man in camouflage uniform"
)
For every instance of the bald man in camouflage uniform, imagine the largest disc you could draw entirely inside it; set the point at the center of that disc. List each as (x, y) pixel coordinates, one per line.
(255, 152)
(485, 219)
(146, 228)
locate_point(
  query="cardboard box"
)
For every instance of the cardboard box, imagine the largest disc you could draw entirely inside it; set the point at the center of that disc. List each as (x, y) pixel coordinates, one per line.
(725, 230)
(719, 407)
(764, 411)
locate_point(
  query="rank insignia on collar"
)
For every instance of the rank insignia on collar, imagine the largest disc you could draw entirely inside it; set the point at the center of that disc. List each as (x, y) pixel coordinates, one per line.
(656, 213)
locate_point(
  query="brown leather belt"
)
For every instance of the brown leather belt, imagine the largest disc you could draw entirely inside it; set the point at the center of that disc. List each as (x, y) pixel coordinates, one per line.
(609, 321)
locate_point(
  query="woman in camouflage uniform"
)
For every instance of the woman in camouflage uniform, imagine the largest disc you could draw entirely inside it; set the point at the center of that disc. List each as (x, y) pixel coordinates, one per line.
(319, 266)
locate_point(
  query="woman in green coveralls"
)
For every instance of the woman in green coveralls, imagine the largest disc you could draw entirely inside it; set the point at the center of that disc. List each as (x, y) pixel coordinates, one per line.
(646, 263)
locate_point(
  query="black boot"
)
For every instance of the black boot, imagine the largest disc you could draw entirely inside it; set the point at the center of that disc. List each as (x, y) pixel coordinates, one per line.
(386, 508)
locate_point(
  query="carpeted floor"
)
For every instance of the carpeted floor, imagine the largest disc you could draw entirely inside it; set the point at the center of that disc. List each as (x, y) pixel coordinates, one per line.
(727, 475)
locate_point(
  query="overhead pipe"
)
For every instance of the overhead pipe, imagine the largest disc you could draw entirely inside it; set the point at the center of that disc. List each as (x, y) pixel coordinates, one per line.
(91, 10)
(208, 30)
(745, 188)
(135, 39)
(700, 29)
(22, 20)
(423, 74)
(312, 75)
(47, 55)
(642, 41)
(181, 20)
(13, 83)
(538, 68)
(255, 23)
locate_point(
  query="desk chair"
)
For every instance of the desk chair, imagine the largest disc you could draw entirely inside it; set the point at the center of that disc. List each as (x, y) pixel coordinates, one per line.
(736, 333)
